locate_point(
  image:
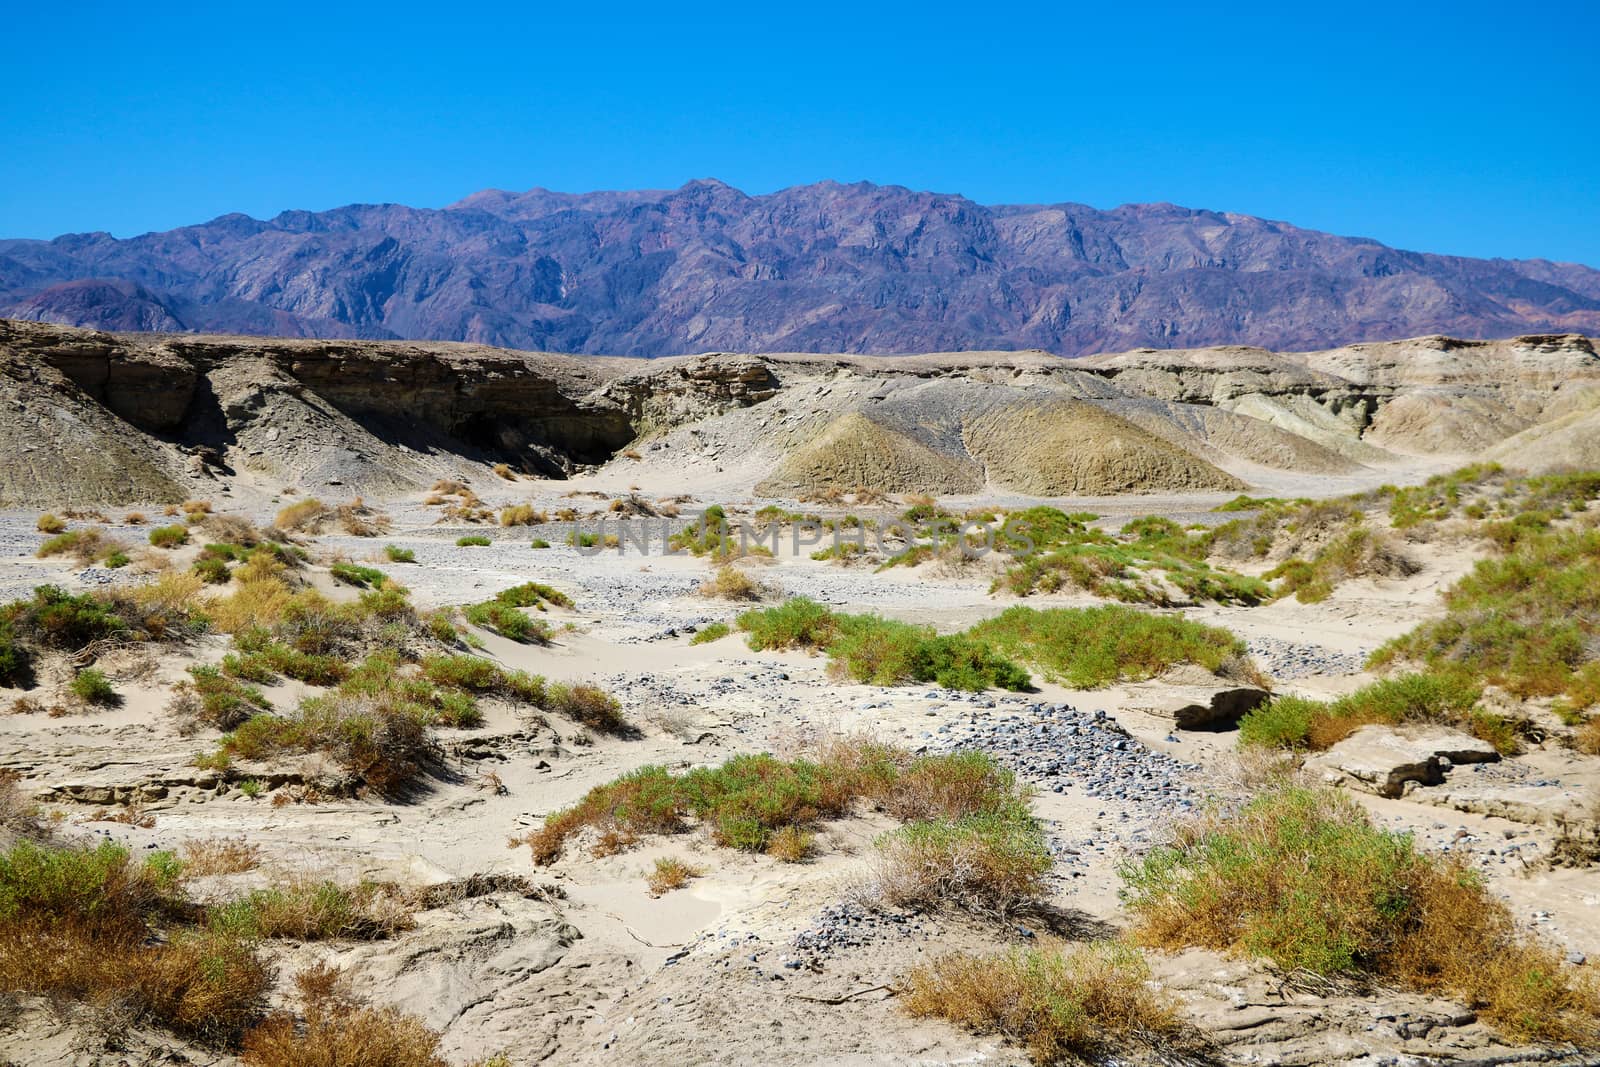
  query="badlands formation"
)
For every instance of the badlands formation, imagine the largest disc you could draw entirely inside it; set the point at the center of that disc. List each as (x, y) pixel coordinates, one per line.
(304, 634)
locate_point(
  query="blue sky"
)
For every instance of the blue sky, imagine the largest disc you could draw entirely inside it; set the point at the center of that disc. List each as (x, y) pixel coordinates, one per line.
(1453, 127)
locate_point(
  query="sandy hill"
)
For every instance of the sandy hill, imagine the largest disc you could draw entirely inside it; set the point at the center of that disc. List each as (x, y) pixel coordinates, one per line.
(108, 418)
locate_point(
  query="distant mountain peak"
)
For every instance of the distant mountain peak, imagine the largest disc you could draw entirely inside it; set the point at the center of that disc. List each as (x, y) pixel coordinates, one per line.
(830, 266)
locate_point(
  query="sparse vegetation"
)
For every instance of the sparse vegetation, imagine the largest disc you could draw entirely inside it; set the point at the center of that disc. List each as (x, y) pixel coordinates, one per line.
(169, 536)
(1301, 877)
(1528, 622)
(715, 631)
(93, 687)
(50, 524)
(878, 651)
(473, 541)
(730, 583)
(1063, 1005)
(396, 554)
(1090, 647)
(357, 575)
(522, 515)
(1152, 561)
(340, 1030)
(77, 924)
(1447, 698)
(669, 873)
(970, 839)
(508, 621)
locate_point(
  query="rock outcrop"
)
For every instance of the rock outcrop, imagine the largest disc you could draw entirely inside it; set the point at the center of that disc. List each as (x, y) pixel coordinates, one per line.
(1383, 759)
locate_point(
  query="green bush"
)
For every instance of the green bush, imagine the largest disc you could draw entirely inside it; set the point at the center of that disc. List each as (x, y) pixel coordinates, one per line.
(796, 623)
(224, 702)
(212, 571)
(532, 594)
(169, 536)
(357, 575)
(715, 631)
(92, 687)
(1089, 647)
(539, 542)
(508, 622)
(473, 541)
(58, 619)
(1448, 698)
(1301, 877)
(396, 554)
(1529, 622)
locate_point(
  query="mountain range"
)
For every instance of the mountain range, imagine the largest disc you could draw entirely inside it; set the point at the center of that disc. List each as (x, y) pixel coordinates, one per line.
(828, 267)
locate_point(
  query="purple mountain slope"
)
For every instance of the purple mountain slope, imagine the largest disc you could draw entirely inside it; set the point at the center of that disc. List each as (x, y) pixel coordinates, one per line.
(826, 267)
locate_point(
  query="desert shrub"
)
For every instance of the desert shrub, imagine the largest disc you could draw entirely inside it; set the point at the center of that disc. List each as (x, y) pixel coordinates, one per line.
(539, 542)
(16, 661)
(1529, 621)
(339, 1030)
(212, 571)
(77, 924)
(791, 844)
(878, 651)
(730, 583)
(396, 554)
(85, 546)
(93, 687)
(473, 541)
(503, 470)
(669, 873)
(379, 736)
(1086, 1004)
(169, 536)
(992, 862)
(715, 631)
(307, 514)
(49, 524)
(758, 803)
(1358, 552)
(307, 910)
(586, 704)
(533, 594)
(55, 618)
(1148, 562)
(1301, 877)
(1446, 698)
(507, 621)
(135, 518)
(521, 515)
(1089, 647)
(223, 703)
(357, 575)
(798, 622)
(204, 857)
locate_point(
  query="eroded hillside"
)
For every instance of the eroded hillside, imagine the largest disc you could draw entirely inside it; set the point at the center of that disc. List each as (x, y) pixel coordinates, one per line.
(153, 418)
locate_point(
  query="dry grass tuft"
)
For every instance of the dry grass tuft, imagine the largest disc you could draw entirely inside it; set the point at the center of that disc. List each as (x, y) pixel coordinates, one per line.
(521, 515)
(670, 873)
(339, 1031)
(730, 583)
(50, 524)
(1062, 1005)
(791, 844)
(503, 470)
(207, 856)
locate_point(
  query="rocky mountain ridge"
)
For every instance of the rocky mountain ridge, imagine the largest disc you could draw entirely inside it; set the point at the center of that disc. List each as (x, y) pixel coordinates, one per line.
(819, 268)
